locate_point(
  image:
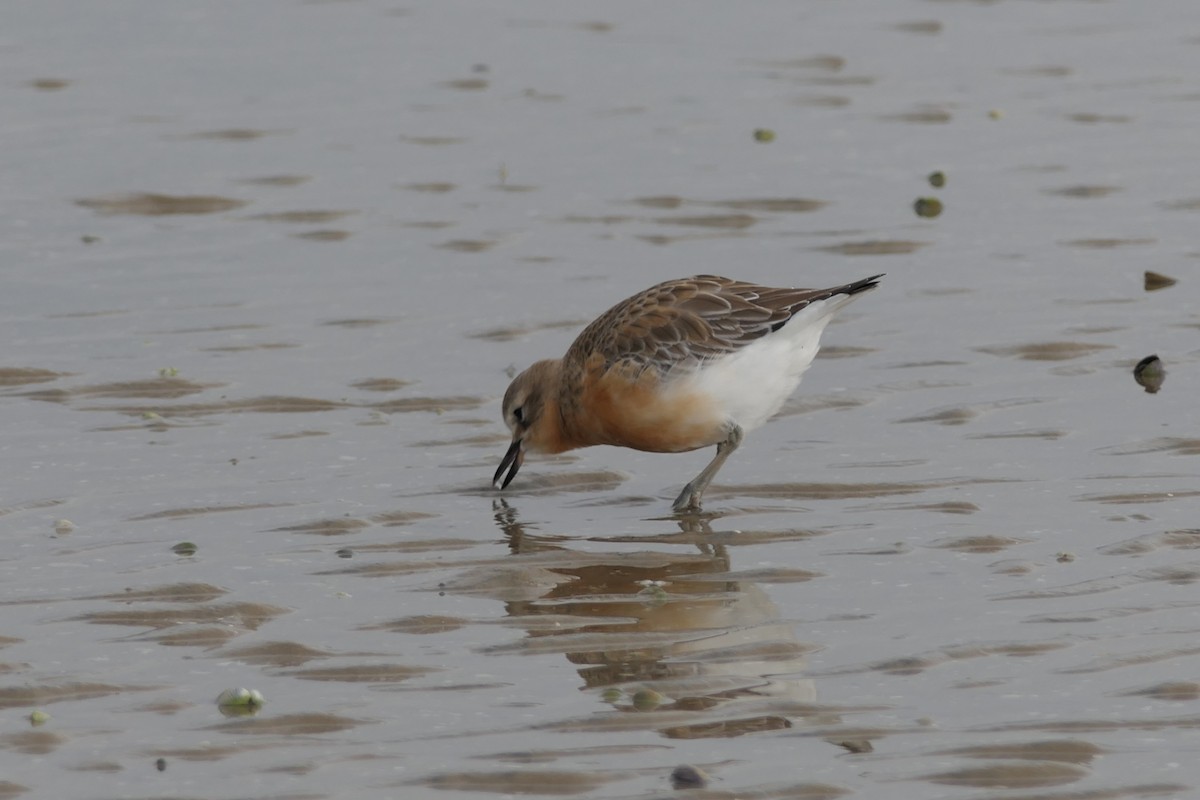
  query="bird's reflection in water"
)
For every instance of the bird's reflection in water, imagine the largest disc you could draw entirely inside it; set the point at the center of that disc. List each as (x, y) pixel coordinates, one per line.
(670, 629)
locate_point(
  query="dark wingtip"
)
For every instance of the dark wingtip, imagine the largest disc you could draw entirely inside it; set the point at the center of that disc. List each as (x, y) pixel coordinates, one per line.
(866, 284)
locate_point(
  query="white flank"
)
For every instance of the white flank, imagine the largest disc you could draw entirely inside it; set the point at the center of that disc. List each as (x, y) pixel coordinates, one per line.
(751, 385)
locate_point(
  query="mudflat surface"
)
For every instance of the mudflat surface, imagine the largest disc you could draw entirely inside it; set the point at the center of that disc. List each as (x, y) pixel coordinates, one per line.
(268, 268)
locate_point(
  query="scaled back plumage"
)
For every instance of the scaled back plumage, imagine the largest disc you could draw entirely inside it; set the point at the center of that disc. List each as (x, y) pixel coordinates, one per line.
(680, 324)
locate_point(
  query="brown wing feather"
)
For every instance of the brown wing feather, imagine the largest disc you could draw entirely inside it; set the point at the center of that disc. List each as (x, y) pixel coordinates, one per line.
(680, 324)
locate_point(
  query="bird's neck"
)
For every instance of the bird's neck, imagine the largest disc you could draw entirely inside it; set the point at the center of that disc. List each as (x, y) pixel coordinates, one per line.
(551, 432)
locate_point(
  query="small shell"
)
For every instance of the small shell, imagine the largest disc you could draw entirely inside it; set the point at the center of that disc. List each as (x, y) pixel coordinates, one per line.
(685, 776)
(1150, 374)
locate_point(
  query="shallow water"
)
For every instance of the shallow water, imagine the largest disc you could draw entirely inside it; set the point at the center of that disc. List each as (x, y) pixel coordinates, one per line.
(269, 268)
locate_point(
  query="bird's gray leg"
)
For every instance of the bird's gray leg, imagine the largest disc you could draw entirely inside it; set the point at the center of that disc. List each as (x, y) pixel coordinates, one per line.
(689, 498)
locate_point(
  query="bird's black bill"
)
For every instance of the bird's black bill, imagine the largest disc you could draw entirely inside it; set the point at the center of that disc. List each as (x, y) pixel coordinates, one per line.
(511, 462)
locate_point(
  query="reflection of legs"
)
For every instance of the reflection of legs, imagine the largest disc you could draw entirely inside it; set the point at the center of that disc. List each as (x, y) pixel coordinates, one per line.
(689, 498)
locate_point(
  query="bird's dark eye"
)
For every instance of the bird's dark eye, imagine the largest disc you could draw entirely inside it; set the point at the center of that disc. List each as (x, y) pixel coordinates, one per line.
(519, 414)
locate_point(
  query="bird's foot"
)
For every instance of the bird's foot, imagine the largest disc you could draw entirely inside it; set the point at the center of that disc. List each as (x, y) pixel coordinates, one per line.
(688, 501)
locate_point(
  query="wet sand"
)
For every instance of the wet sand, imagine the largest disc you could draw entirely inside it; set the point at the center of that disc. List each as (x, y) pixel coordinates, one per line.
(269, 268)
